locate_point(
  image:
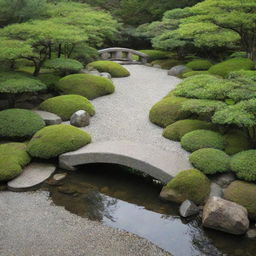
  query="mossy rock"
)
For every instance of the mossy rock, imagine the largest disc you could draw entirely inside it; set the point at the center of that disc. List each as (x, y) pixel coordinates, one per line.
(189, 184)
(87, 85)
(66, 105)
(244, 165)
(178, 129)
(199, 64)
(198, 139)
(113, 68)
(210, 160)
(168, 111)
(19, 123)
(13, 157)
(243, 193)
(55, 140)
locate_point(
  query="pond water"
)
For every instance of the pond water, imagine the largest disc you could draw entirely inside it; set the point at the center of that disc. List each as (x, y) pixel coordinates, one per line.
(122, 199)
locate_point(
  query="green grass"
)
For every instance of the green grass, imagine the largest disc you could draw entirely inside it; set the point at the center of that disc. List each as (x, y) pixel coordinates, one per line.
(199, 64)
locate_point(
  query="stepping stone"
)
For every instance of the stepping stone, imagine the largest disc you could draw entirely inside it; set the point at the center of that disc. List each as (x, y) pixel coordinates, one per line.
(49, 118)
(32, 175)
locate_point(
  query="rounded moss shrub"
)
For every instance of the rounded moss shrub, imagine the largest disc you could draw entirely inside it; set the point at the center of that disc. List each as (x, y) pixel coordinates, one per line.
(13, 157)
(113, 68)
(189, 184)
(168, 111)
(89, 86)
(157, 54)
(244, 165)
(194, 73)
(199, 64)
(243, 193)
(19, 123)
(66, 105)
(210, 160)
(223, 68)
(167, 63)
(198, 139)
(55, 140)
(178, 129)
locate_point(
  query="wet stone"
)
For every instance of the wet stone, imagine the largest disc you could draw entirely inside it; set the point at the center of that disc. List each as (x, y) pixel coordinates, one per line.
(188, 208)
(251, 234)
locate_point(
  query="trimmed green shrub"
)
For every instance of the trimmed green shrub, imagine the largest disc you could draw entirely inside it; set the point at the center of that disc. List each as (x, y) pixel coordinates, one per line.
(166, 63)
(225, 67)
(244, 165)
(49, 79)
(243, 193)
(195, 73)
(13, 157)
(55, 140)
(210, 160)
(199, 64)
(87, 85)
(238, 55)
(178, 129)
(66, 105)
(236, 141)
(14, 75)
(157, 54)
(84, 53)
(248, 74)
(198, 139)
(189, 184)
(113, 68)
(168, 111)
(19, 123)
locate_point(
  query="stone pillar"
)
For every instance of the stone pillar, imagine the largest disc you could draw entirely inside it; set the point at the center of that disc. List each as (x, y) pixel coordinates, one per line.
(105, 56)
(129, 56)
(118, 55)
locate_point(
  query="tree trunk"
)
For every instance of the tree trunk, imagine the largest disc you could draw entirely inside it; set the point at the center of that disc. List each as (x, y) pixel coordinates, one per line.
(50, 52)
(59, 51)
(37, 69)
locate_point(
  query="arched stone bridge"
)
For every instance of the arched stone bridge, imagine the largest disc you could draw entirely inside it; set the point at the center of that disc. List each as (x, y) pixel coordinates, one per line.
(161, 165)
(123, 55)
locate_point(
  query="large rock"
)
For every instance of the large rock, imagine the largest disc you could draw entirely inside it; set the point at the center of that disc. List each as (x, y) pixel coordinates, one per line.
(226, 216)
(188, 208)
(106, 75)
(49, 118)
(80, 119)
(177, 70)
(216, 190)
(224, 179)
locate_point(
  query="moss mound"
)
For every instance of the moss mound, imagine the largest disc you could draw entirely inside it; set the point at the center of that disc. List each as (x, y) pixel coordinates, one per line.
(244, 165)
(19, 123)
(54, 140)
(113, 68)
(189, 184)
(199, 64)
(178, 129)
(210, 160)
(168, 111)
(89, 86)
(13, 157)
(243, 193)
(157, 54)
(198, 139)
(167, 63)
(194, 73)
(223, 68)
(64, 106)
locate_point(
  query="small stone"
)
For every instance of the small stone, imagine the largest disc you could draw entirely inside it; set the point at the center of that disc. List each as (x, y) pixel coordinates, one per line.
(80, 119)
(60, 176)
(104, 190)
(84, 71)
(106, 75)
(188, 208)
(251, 234)
(177, 70)
(224, 179)
(95, 72)
(216, 190)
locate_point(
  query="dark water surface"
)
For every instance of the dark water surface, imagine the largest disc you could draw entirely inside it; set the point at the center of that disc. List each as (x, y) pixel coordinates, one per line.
(121, 199)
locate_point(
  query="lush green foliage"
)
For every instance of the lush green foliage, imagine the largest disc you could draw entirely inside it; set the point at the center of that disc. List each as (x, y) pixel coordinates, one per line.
(198, 139)
(156, 54)
(210, 160)
(199, 64)
(64, 106)
(49, 79)
(89, 86)
(238, 55)
(19, 123)
(195, 73)
(54, 140)
(13, 157)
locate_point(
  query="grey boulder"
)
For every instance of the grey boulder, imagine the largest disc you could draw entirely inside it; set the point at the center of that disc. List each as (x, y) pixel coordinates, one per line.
(106, 75)
(49, 118)
(216, 190)
(80, 118)
(251, 234)
(188, 208)
(224, 179)
(177, 70)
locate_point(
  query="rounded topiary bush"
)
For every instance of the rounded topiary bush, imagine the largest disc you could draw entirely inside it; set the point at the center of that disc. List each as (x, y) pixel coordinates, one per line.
(87, 85)
(167, 63)
(54, 140)
(194, 73)
(199, 64)
(178, 129)
(65, 105)
(189, 184)
(19, 123)
(198, 139)
(244, 165)
(210, 160)
(113, 68)
(157, 54)
(168, 111)
(243, 193)
(13, 157)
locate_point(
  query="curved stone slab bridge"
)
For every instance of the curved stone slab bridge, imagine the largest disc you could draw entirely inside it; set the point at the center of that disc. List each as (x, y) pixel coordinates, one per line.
(123, 54)
(161, 165)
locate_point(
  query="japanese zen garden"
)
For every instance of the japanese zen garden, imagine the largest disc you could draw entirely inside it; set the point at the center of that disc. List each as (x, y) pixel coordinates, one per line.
(127, 128)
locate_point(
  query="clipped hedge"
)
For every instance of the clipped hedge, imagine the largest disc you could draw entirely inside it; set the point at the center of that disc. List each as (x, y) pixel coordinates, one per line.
(50, 80)
(19, 123)
(64, 106)
(87, 85)
(13, 157)
(178, 129)
(157, 54)
(113, 68)
(199, 64)
(55, 140)
(198, 139)
(210, 160)
(195, 73)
